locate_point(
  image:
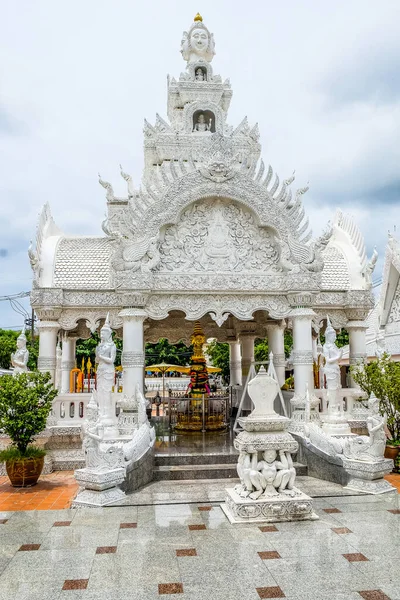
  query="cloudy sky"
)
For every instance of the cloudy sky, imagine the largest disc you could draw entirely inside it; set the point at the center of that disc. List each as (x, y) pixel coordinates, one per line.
(77, 79)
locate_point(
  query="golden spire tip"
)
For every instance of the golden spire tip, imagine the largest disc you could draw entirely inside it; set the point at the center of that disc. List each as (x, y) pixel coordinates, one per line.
(198, 17)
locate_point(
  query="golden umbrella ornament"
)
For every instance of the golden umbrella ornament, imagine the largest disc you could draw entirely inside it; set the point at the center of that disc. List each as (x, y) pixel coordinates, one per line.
(166, 368)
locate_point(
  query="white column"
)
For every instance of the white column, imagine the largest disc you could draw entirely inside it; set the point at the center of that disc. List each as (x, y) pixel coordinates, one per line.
(247, 345)
(357, 344)
(302, 350)
(47, 347)
(235, 363)
(67, 361)
(276, 344)
(132, 360)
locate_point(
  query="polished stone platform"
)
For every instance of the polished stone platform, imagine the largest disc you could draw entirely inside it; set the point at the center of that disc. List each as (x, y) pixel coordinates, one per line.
(191, 551)
(214, 490)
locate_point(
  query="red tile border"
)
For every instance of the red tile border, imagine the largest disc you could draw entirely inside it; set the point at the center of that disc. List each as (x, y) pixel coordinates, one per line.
(355, 557)
(196, 527)
(373, 595)
(27, 547)
(3, 521)
(62, 523)
(128, 526)
(394, 511)
(205, 508)
(106, 549)
(170, 588)
(75, 584)
(330, 511)
(186, 552)
(268, 528)
(341, 530)
(269, 554)
(270, 592)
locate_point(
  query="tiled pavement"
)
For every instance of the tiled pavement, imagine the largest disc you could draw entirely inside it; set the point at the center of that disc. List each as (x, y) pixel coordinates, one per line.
(147, 552)
(53, 491)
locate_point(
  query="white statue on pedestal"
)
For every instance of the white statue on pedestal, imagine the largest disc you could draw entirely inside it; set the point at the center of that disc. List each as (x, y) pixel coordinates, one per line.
(369, 448)
(109, 456)
(332, 355)
(19, 359)
(105, 357)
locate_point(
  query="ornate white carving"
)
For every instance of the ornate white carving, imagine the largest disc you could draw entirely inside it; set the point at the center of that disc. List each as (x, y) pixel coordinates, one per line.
(268, 475)
(197, 43)
(218, 236)
(195, 307)
(46, 363)
(132, 358)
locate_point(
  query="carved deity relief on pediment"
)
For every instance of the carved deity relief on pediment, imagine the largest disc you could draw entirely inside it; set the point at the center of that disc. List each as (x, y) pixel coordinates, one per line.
(218, 236)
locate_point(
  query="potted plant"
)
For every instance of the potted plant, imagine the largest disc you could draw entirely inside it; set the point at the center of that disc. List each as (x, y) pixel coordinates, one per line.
(382, 378)
(25, 404)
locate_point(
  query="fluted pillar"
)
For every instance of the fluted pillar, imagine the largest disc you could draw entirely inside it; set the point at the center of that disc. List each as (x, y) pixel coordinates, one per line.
(357, 344)
(67, 361)
(302, 350)
(276, 345)
(303, 370)
(48, 331)
(132, 360)
(235, 363)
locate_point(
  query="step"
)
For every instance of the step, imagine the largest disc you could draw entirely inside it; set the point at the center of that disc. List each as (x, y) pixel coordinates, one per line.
(205, 471)
(162, 460)
(214, 471)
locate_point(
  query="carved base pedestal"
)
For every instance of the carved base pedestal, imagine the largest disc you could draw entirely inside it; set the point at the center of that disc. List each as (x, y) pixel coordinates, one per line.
(368, 477)
(298, 419)
(270, 509)
(100, 487)
(335, 425)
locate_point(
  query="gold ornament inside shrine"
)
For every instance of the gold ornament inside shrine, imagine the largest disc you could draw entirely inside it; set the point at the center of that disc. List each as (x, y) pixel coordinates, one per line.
(199, 409)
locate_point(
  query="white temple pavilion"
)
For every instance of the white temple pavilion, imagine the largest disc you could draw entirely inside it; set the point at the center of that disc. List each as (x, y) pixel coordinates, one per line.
(210, 234)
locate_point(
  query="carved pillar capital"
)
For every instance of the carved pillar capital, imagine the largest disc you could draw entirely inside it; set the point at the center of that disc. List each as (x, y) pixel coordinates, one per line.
(133, 314)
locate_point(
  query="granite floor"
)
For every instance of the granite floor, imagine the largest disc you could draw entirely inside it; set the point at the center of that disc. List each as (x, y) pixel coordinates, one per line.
(191, 551)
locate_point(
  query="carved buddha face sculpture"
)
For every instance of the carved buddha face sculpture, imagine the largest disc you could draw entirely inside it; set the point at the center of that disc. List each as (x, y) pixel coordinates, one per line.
(199, 41)
(330, 335)
(21, 342)
(105, 335)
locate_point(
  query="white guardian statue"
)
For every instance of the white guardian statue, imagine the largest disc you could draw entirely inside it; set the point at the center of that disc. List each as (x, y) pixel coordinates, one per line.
(19, 359)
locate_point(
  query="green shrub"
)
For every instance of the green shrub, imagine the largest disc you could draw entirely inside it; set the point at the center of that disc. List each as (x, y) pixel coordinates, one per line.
(382, 378)
(12, 453)
(25, 404)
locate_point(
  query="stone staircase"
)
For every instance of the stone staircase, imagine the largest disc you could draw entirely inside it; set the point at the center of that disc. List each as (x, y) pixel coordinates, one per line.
(200, 466)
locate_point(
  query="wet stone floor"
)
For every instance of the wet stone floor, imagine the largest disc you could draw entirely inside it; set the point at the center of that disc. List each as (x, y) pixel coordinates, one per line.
(191, 551)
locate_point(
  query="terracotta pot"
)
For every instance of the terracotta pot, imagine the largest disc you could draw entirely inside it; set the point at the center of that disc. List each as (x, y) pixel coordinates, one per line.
(24, 472)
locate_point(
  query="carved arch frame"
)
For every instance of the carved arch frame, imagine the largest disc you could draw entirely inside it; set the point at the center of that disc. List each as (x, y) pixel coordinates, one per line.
(203, 105)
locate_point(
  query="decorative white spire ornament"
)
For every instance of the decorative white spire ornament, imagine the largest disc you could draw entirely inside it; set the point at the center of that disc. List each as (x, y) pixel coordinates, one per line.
(198, 43)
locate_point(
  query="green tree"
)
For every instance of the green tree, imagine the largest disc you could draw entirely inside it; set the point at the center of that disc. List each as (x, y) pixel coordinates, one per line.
(219, 356)
(25, 404)
(342, 338)
(163, 351)
(382, 378)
